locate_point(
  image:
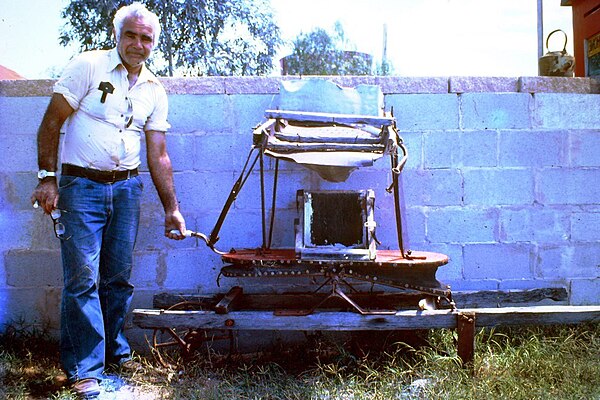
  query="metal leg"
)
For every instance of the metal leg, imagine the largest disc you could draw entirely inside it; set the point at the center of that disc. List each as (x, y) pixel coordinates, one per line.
(335, 292)
(465, 326)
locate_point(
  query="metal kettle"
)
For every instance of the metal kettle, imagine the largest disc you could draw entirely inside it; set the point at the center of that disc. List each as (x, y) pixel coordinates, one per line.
(556, 63)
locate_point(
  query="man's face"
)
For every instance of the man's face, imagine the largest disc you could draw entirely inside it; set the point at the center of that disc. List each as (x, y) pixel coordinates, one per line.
(135, 44)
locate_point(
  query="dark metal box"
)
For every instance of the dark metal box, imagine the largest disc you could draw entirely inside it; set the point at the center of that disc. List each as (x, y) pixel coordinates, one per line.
(335, 225)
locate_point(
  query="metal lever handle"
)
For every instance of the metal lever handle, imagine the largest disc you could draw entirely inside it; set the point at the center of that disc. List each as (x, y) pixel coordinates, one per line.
(202, 236)
(187, 233)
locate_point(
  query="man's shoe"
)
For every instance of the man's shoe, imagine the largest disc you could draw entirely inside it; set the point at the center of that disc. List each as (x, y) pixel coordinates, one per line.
(130, 366)
(60, 380)
(87, 388)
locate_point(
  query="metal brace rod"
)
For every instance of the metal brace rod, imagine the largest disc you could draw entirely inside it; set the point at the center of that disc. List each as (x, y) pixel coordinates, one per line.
(335, 292)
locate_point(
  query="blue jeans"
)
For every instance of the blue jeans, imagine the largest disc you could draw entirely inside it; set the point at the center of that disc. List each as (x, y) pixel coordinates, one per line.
(101, 222)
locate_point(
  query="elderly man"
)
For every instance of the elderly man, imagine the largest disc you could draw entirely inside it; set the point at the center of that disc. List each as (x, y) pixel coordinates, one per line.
(107, 99)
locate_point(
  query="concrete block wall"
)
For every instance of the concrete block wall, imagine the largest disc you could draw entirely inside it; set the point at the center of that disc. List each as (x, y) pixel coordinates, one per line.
(502, 176)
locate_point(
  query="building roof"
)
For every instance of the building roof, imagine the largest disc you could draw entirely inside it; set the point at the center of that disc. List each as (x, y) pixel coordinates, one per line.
(6, 73)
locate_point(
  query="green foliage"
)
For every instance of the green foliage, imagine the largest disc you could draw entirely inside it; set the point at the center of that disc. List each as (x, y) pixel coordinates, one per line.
(320, 53)
(384, 68)
(554, 362)
(199, 37)
(28, 363)
(528, 363)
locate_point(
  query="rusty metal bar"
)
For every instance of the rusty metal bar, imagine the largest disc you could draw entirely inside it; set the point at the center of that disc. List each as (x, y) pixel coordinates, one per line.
(465, 327)
(274, 200)
(235, 190)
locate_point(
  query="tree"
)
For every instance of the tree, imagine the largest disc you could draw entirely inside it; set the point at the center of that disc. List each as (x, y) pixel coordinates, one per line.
(321, 53)
(199, 37)
(384, 68)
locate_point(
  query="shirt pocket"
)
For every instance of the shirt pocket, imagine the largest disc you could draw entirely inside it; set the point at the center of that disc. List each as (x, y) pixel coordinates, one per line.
(105, 102)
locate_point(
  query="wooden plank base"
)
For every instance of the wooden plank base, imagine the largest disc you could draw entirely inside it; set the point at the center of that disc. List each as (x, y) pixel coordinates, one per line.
(379, 299)
(351, 321)
(466, 320)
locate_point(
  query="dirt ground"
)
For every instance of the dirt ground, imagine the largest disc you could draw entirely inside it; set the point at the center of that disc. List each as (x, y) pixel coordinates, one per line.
(115, 388)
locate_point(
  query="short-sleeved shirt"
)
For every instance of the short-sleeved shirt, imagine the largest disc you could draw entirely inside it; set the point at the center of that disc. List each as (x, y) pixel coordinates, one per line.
(104, 132)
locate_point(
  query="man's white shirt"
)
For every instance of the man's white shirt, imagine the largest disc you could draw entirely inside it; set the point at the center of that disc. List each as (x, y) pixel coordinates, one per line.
(104, 132)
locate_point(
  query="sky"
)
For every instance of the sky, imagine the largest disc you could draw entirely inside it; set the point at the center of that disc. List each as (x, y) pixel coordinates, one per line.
(424, 37)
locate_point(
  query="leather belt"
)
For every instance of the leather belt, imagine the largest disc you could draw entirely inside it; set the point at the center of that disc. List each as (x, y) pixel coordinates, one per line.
(98, 175)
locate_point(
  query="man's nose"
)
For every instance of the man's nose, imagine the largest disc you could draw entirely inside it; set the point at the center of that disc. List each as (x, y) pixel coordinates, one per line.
(137, 42)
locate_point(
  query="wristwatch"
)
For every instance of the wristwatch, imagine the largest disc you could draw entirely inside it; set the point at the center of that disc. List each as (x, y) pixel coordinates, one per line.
(42, 173)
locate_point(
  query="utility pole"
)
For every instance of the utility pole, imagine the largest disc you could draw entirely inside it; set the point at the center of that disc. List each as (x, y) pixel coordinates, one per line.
(540, 30)
(384, 64)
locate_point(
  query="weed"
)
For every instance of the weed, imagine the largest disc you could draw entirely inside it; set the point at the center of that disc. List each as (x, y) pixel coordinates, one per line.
(556, 362)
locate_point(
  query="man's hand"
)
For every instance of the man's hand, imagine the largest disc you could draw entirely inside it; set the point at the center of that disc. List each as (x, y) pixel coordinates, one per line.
(174, 226)
(46, 194)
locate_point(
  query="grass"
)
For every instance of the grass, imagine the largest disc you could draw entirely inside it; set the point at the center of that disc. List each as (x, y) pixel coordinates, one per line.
(557, 362)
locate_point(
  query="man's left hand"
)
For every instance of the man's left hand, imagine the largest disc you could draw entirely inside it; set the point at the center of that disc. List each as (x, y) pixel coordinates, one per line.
(174, 226)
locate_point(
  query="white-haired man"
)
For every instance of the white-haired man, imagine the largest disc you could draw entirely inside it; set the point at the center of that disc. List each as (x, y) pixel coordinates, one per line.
(108, 99)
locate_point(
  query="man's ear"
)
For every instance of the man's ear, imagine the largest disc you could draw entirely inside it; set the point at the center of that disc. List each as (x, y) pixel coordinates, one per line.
(114, 35)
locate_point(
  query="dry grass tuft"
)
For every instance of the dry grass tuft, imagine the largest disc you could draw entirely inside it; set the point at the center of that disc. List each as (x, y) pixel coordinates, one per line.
(558, 362)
